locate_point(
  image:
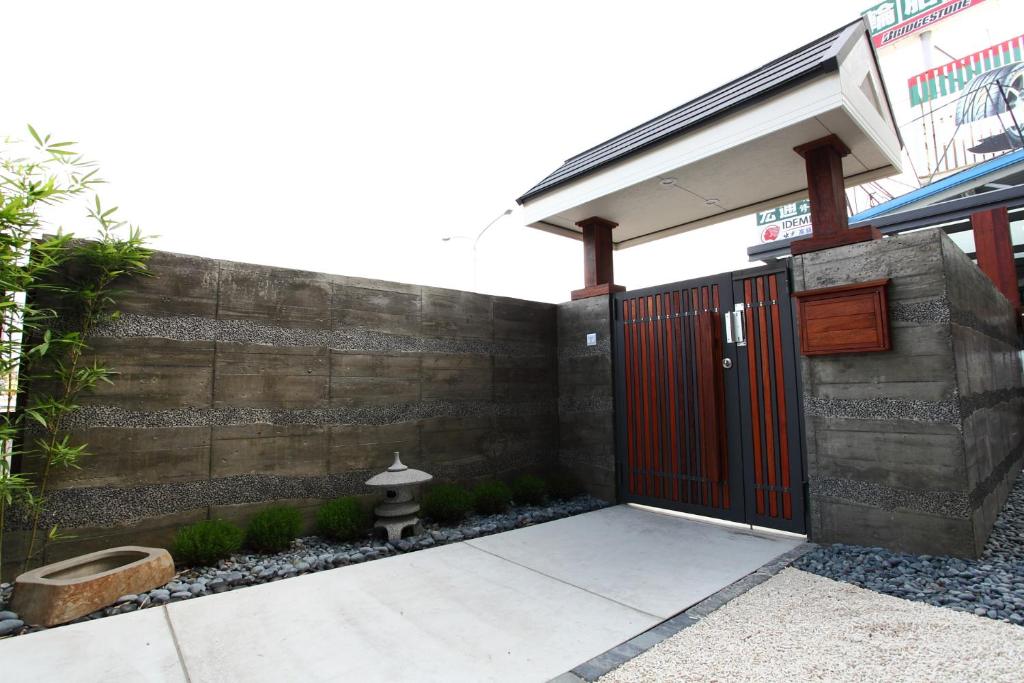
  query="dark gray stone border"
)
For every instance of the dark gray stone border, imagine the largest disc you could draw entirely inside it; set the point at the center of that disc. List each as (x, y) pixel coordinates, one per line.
(190, 328)
(954, 504)
(116, 416)
(593, 669)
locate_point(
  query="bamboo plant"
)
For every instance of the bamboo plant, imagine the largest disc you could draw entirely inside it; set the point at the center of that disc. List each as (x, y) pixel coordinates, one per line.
(44, 345)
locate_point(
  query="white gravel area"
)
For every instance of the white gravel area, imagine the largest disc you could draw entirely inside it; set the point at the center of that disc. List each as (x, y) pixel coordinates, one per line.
(802, 627)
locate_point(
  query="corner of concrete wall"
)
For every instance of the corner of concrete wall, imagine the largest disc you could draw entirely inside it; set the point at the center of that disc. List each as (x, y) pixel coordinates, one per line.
(885, 453)
(586, 432)
(990, 386)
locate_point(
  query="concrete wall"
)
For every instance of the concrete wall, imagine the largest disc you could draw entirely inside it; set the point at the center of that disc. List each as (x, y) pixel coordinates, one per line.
(914, 449)
(586, 431)
(241, 384)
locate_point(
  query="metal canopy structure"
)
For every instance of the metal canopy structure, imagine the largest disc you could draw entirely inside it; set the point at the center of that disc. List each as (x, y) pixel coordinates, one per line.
(729, 152)
(998, 182)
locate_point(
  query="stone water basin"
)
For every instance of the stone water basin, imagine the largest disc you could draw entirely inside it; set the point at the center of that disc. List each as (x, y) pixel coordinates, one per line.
(63, 591)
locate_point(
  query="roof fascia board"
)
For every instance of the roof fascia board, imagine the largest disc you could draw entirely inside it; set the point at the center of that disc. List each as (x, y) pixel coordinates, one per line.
(673, 154)
(640, 149)
(741, 211)
(828, 64)
(872, 132)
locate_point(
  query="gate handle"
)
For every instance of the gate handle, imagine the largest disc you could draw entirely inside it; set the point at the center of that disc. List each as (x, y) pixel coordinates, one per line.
(738, 327)
(728, 328)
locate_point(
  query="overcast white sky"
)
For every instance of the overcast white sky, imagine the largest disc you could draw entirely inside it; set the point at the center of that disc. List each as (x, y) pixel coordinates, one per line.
(350, 138)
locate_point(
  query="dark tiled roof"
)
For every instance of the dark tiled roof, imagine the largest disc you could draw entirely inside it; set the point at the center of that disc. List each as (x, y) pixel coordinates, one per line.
(818, 57)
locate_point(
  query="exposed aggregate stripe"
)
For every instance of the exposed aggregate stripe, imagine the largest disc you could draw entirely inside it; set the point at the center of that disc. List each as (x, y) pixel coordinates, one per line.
(884, 409)
(593, 404)
(952, 410)
(104, 506)
(196, 328)
(997, 476)
(929, 311)
(987, 400)
(116, 416)
(997, 330)
(955, 504)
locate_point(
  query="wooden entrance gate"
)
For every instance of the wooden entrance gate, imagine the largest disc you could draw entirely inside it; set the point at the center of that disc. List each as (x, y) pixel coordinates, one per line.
(707, 408)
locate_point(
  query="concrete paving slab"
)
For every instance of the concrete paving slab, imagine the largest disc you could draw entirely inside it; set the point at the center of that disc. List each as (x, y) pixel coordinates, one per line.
(453, 613)
(526, 605)
(131, 647)
(657, 563)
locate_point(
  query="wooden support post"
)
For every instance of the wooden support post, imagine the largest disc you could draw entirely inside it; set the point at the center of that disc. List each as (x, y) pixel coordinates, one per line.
(598, 272)
(994, 248)
(827, 193)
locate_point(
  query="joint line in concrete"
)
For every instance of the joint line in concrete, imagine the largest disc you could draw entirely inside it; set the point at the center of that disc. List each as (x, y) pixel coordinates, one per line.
(567, 583)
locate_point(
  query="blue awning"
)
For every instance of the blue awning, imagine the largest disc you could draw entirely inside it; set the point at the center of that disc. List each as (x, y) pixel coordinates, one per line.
(963, 178)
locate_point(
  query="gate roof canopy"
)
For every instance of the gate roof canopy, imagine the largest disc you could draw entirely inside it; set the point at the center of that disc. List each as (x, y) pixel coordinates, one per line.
(729, 152)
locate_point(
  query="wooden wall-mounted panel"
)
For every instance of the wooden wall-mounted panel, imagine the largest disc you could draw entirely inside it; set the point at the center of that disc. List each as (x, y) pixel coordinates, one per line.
(846, 319)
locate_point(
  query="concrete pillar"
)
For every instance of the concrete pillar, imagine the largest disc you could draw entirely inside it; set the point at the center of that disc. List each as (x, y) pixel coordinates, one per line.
(994, 248)
(827, 193)
(598, 271)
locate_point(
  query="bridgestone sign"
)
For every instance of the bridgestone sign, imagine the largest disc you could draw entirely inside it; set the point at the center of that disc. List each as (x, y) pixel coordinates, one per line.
(895, 19)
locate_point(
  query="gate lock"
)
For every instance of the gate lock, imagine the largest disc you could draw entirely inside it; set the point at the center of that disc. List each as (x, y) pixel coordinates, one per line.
(735, 332)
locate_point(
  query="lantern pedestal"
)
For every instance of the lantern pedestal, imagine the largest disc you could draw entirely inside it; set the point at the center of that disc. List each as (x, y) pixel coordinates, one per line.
(400, 510)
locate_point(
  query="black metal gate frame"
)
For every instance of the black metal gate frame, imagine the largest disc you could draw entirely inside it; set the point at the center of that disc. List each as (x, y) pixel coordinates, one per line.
(738, 413)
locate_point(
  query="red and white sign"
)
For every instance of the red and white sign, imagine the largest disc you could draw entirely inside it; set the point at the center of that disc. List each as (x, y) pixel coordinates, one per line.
(895, 19)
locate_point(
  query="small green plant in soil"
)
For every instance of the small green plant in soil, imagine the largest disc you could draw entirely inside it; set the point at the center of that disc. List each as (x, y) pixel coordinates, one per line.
(491, 497)
(343, 519)
(203, 543)
(274, 529)
(529, 490)
(447, 503)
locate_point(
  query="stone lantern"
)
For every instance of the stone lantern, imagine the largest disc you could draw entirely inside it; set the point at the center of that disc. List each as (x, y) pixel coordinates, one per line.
(400, 509)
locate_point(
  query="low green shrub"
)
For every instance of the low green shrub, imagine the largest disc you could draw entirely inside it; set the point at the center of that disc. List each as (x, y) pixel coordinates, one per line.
(343, 519)
(529, 490)
(563, 485)
(491, 497)
(274, 529)
(205, 542)
(447, 503)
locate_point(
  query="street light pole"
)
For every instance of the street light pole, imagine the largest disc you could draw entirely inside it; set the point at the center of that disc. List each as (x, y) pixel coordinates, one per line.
(477, 241)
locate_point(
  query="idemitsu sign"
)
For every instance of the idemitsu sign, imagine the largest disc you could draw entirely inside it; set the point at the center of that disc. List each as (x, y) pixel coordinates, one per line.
(785, 222)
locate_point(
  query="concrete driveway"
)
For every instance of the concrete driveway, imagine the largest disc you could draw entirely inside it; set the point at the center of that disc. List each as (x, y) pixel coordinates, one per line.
(525, 605)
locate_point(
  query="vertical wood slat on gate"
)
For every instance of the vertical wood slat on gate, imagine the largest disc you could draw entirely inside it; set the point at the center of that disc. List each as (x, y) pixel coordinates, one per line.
(693, 435)
(676, 447)
(770, 442)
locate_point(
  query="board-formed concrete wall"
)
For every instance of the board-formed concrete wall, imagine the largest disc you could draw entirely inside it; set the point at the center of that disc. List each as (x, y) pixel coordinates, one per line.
(242, 384)
(586, 409)
(916, 448)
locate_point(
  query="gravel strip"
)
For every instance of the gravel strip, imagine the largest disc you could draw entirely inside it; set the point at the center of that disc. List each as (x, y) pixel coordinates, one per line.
(307, 555)
(798, 626)
(991, 586)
